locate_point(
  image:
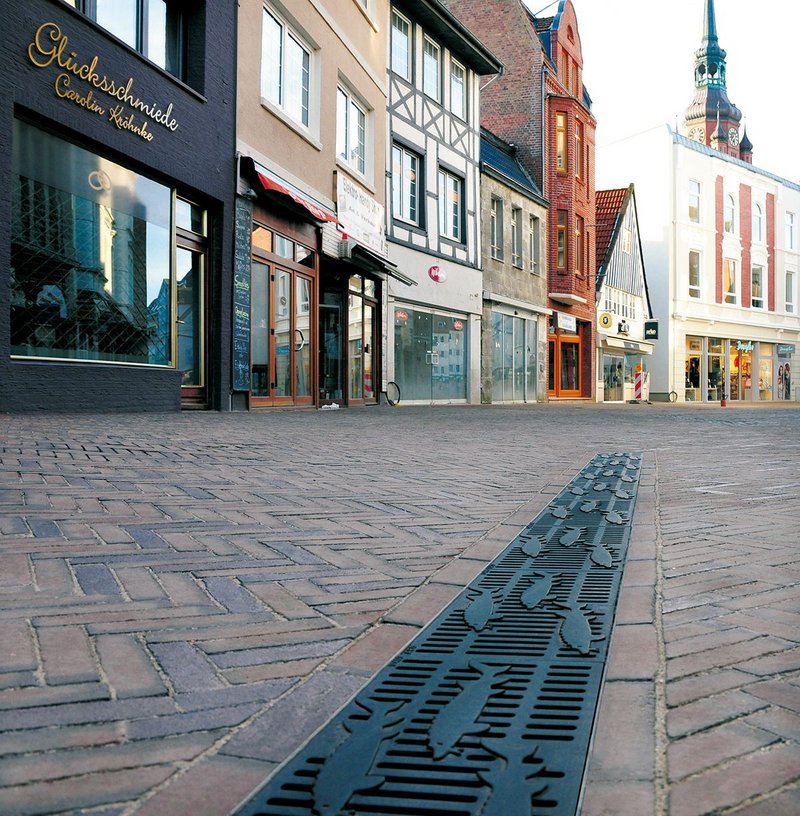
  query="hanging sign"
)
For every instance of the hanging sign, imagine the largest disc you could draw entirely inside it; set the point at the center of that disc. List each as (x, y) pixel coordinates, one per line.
(651, 330)
(567, 322)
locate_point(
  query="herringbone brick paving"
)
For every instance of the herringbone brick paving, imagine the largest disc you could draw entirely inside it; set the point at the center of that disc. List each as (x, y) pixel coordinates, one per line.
(186, 598)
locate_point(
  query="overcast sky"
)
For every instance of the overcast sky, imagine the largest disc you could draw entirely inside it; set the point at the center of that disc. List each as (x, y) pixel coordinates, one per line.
(639, 61)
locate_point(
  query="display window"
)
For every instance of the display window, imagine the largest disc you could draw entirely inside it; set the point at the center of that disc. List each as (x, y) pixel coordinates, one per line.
(513, 358)
(107, 265)
(430, 351)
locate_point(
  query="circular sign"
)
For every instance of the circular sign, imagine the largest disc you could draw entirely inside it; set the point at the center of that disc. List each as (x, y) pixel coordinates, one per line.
(99, 180)
(401, 315)
(606, 320)
(437, 274)
(458, 325)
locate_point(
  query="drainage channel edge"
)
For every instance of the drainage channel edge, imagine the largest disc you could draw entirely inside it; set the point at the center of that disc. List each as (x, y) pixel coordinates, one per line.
(489, 711)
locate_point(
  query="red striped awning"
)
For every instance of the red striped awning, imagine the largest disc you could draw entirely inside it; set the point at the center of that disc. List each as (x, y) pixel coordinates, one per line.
(316, 211)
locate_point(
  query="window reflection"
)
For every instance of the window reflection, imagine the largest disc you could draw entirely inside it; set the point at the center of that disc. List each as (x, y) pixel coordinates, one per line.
(90, 256)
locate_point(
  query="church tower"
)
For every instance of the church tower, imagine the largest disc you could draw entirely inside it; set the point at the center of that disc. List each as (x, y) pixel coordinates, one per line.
(712, 118)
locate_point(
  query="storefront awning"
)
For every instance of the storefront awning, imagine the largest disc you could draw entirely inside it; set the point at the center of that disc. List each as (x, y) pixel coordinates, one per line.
(628, 345)
(273, 185)
(355, 252)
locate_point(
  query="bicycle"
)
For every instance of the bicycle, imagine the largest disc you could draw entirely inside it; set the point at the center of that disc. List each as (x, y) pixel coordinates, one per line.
(392, 393)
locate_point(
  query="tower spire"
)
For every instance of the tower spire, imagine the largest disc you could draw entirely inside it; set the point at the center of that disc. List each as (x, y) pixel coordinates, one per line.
(711, 113)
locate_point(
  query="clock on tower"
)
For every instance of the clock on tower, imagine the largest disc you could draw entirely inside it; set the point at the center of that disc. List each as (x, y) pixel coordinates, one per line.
(698, 134)
(733, 137)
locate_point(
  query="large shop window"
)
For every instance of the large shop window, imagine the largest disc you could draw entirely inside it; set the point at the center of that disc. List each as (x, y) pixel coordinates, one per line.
(430, 355)
(92, 260)
(514, 342)
(158, 29)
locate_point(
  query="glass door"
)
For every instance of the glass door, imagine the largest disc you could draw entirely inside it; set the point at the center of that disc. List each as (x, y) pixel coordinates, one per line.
(280, 336)
(189, 318)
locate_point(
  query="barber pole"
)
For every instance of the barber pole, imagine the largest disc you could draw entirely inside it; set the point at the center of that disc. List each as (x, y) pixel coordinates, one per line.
(637, 383)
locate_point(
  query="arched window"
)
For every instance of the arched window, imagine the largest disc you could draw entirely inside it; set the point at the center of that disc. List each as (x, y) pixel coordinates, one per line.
(730, 214)
(758, 223)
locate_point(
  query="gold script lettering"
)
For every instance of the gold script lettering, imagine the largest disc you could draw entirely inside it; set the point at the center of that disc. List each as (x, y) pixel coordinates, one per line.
(50, 45)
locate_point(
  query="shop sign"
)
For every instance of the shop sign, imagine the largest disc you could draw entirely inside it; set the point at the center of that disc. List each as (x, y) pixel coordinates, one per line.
(458, 325)
(360, 215)
(606, 319)
(742, 345)
(401, 314)
(567, 322)
(785, 349)
(437, 274)
(651, 330)
(77, 81)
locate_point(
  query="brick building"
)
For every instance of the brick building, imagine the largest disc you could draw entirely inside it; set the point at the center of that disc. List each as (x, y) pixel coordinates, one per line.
(541, 106)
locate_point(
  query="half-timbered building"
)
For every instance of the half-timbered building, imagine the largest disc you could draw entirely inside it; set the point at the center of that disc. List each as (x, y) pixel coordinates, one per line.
(433, 203)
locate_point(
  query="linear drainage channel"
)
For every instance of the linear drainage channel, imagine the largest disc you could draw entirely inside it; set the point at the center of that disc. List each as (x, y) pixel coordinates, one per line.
(490, 710)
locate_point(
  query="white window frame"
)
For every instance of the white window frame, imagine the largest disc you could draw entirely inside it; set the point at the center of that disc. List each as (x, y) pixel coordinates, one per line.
(275, 93)
(431, 81)
(758, 223)
(396, 50)
(694, 200)
(758, 302)
(789, 291)
(729, 214)
(695, 290)
(496, 229)
(791, 242)
(451, 206)
(459, 110)
(351, 143)
(534, 239)
(730, 295)
(404, 188)
(516, 237)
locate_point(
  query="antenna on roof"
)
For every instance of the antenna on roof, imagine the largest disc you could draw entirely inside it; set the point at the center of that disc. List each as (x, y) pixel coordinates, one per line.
(537, 13)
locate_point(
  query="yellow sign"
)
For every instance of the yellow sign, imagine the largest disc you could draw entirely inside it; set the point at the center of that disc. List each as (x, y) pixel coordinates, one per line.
(606, 320)
(50, 45)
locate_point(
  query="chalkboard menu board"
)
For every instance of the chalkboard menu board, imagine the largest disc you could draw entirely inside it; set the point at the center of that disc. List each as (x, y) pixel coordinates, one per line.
(241, 298)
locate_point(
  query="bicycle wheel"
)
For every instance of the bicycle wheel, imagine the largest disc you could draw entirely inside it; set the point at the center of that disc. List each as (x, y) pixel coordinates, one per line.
(392, 393)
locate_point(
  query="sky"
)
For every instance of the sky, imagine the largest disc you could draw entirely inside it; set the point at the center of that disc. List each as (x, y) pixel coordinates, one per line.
(638, 64)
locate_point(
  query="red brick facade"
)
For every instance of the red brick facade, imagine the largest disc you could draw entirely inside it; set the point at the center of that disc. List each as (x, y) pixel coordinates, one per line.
(522, 106)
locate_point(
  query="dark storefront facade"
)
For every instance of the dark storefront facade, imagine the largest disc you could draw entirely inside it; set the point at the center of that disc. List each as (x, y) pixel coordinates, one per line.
(116, 238)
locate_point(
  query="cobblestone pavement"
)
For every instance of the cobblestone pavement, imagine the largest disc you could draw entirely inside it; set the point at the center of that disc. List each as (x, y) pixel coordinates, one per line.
(186, 598)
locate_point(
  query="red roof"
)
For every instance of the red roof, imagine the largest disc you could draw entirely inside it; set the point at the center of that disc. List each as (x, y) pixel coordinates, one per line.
(608, 205)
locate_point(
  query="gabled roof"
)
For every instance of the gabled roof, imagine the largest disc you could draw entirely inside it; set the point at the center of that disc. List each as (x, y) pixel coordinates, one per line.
(498, 158)
(608, 208)
(611, 207)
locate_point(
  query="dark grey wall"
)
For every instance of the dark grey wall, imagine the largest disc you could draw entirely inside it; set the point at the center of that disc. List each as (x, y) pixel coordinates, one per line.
(198, 158)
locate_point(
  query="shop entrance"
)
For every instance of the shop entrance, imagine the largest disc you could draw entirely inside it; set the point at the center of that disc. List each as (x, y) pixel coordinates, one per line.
(741, 357)
(613, 378)
(430, 352)
(564, 366)
(280, 336)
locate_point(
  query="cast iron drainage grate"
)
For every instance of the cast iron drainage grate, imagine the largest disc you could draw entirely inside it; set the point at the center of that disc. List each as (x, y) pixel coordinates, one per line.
(489, 711)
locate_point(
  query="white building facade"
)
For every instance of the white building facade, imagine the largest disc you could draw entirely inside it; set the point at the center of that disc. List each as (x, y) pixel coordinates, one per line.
(433, 204)
(720, 239)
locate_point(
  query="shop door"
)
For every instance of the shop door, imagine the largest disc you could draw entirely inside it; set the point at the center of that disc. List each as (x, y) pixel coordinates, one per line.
(613, 379)
(565, 366)
(280, 336)
(189, 326)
